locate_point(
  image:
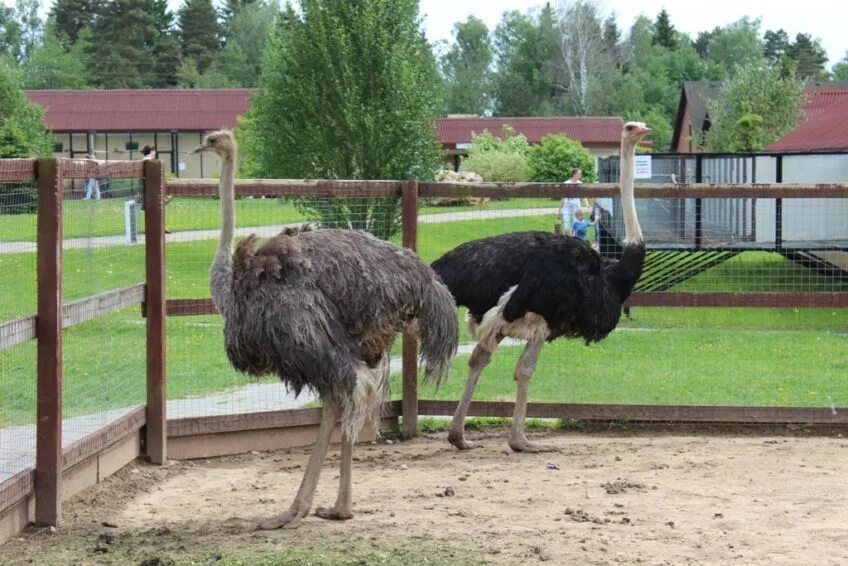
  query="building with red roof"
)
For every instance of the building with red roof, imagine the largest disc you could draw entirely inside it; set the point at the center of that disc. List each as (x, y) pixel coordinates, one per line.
(693, 115)
(826, 130)
(117, 124)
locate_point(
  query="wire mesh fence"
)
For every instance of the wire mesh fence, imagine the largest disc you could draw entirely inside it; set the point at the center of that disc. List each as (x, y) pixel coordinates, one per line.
(682, 356)
(197, 341)
(104, 344)
(18, 279)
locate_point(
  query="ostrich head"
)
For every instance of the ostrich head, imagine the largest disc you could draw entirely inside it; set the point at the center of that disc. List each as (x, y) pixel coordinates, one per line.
(222, 142)
(633, 133)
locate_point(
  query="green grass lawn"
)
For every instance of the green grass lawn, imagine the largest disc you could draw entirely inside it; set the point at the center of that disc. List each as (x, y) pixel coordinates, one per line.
(662, 355)
(83, 218)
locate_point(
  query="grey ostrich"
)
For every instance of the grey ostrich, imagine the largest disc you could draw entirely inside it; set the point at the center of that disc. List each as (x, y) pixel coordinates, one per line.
(538, 286)
(321, 309)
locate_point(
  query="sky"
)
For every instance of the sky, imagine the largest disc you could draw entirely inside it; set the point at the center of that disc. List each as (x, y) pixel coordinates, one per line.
(820, 18)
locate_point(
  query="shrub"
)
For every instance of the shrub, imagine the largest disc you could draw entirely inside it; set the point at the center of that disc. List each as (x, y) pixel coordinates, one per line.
(553, 159)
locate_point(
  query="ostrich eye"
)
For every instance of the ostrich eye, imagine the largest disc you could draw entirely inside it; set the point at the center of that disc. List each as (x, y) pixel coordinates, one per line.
(629, 128)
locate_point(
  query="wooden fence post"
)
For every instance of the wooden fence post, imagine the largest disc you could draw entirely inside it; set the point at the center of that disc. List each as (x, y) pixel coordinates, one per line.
(409, 209)
(48, 456)
(154, 238)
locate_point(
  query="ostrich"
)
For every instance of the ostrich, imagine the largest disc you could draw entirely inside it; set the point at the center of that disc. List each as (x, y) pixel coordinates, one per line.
(537, 286)
(321, 309)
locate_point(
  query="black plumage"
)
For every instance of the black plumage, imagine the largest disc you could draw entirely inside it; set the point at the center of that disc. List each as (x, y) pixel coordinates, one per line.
(577, 292)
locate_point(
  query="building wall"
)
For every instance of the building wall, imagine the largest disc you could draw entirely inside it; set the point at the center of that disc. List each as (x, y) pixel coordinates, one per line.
(685, 144)
(172, 148)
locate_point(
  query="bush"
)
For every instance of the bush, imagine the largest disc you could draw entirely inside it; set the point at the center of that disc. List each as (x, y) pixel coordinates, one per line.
(498, 166)
(499, 159)
(552, 160)
(18, 200)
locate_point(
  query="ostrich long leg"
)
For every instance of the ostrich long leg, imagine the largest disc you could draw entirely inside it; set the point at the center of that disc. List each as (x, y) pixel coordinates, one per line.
(523, 372)
(479, 359)
(303, 500)
(342, 510)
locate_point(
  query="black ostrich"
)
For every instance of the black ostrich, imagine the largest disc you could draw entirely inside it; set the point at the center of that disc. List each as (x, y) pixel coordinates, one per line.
(537, 286)
(321, 309)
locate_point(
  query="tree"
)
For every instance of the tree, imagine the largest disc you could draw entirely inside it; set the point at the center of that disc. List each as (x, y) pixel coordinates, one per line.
(775, 44)
(840, 69)
(249, 30)
(166, 46)
(123, 55)
(702, 42)
(348, 92)
(664, 33)
(200, 33)
(526, 48)
(557, 154)
(580, 44)
(51, 66)
(22, 129)
(20, 28)
(466, 68)
(809, 57)
(230, 10)
(70, 17)
(755, 108)
(736, 45)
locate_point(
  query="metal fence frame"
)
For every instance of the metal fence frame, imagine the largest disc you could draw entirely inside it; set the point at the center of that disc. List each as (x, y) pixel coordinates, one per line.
(46, 479)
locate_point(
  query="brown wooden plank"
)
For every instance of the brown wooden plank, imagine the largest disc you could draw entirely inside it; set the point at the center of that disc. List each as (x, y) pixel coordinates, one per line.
(772, 300)
(87, 168)
(103, 438)
(286, 187)
(154, 199)
(17, 170)
(642, 190)
(245, 421)
(48, 457)
(409, 211)
(648, 413)
(190, 307)
(256, 421)
(102, 304)
(16, 488)
(17, 331)
(23, 329)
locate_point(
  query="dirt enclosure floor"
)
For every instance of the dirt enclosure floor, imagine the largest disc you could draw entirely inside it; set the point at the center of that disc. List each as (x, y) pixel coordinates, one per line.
(606, 498)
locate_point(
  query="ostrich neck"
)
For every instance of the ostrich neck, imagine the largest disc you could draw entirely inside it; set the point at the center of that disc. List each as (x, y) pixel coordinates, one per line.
(632, 230)
(222, 265)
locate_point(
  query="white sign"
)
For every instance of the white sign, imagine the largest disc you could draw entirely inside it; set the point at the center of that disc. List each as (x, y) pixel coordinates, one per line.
(642, 167)
(463, 145)
(181, 166)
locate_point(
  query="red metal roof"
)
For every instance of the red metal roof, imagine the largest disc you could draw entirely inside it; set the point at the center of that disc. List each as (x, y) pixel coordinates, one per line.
(208, 109)
(141, 110)
(589, 131)
(822, 98)
(826, 130)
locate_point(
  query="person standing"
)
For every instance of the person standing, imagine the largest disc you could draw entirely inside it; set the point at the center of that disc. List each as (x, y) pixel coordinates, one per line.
(92, 184)
(569, 205)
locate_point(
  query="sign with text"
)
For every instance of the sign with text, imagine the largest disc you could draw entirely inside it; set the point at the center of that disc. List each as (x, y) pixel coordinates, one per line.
(642, 167)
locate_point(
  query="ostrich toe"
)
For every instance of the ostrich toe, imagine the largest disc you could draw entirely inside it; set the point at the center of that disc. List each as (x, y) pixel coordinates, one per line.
(288, 520)
(523, 445)
(334, 513)
(458, 440)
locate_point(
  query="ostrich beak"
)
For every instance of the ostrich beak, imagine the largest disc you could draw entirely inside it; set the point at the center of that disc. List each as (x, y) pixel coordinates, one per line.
(198, 149)
(639, 132)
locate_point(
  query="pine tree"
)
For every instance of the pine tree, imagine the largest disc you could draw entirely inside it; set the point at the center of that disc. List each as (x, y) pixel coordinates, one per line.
(71, 16)
(809, 57)
(200, 33)
(123, 55)
(664, 32)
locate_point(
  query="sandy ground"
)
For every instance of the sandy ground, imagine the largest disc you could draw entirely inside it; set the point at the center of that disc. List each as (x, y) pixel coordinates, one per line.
(622, 497)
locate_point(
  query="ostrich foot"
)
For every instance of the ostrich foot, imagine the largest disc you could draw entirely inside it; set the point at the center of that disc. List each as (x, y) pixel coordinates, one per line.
(334, 513)
(458, 440)
(523, 445)
(288, 519)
